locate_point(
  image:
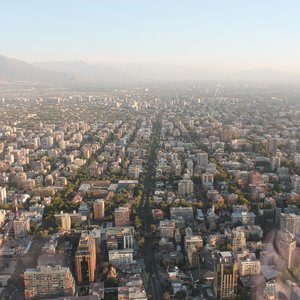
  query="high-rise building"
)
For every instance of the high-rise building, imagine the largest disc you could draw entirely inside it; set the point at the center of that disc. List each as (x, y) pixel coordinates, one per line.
(3, 197)
(272, 145)
(122, 215)
(208, 179)
(85, 258)
(48, 281)
(227, 135)
(270, 290)
(99, 209)
(21, 226)
(192, 256)
(286, 245)
(297, 159)
(290, 222)
(238, 241)
(254, 178)
(2, 216)
(202, 160)
(275, 162)
(296, 183)
(185, 187)
(248, 264)
(65, 222)
(225, 275)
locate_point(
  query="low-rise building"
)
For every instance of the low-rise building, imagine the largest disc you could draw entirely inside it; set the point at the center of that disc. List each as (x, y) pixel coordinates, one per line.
(120, 257)
(167, 228)
(243, 217)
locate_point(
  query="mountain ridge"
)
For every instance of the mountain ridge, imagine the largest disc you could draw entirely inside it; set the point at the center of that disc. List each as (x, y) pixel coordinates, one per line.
(70, 73)
(15, 70)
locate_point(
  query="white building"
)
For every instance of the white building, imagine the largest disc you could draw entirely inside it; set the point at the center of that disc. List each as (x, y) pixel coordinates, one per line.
(244, 217)
(185, 187)
(297, 159)
(120, 257)
(21, 226)
(3, 196)
(249, 265)
(296, 183)
(270, 289)
(208, 179)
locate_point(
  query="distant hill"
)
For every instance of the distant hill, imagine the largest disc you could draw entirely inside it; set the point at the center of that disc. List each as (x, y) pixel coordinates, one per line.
(94, 73)
(13, 70)
(80, 73)
(129, 72)
(266, 74)
(144, 72)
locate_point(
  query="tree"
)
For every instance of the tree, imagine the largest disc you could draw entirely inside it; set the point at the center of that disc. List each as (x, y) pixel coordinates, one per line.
(33, 227)
(110, 282)
(137, 222)
(141, 242)
(152, 228)
(181, 295)
(166, 295)
(43, 233)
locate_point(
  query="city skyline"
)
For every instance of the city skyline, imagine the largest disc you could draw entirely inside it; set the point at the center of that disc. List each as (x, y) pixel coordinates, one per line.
(149, 150)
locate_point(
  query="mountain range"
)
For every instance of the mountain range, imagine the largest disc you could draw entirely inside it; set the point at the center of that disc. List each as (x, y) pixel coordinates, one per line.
(71, 73)
(17, 71)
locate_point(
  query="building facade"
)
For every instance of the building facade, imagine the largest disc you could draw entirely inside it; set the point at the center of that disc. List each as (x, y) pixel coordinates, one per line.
(85, 259)
(21, 226)
(99, 209)
(122, 215)
(225, 275)
(46, 281)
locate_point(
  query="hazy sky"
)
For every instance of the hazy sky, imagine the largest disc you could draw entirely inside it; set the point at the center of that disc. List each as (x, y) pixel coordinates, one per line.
(227, 33)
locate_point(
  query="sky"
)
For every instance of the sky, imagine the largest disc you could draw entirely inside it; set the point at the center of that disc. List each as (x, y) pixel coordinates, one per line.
(224, 34)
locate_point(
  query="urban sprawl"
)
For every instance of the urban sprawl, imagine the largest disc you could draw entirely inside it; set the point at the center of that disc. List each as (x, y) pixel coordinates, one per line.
(150, 193)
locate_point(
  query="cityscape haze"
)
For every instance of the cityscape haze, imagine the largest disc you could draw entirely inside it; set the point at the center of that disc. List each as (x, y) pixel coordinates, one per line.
(149, 150)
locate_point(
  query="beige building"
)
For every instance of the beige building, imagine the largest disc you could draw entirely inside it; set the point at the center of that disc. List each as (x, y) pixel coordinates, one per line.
(122, 215)
(185, 187)
(3, 196)
(65, 222)
(48, 281)
(225, 275)
(76, 218)
(291, 223)
(193, 256)
(238, 241)
(21, 226)
(99, 209)
(2, 216)
(286, 245)
(208, 179)
(167, 228)
(248, 264)
(195, 240)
